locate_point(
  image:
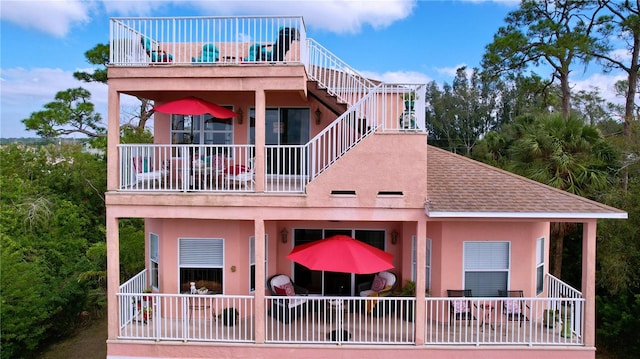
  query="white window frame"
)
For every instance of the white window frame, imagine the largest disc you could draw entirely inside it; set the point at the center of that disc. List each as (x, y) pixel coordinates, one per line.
(203, 251)
(485, 262)
(252, 259)
(202, 131)
(154, 260)
(540, 264)
(414, 262)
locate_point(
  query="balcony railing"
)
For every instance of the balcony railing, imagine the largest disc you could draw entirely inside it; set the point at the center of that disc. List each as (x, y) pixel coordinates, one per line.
(186, 168)
(349, 320)
(207, 40)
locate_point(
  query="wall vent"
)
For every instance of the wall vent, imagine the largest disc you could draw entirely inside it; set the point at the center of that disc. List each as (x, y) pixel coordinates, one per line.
(390, 193)
(344, 192)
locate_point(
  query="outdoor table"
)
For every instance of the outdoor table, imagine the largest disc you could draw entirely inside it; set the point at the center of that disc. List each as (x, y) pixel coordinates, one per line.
(486, 315)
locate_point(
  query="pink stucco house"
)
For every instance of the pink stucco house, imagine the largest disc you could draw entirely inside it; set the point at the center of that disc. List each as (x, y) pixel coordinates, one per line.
(315, 149)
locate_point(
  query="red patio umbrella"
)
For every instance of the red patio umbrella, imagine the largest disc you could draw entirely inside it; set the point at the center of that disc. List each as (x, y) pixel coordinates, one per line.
(342, 253)
(194, 106)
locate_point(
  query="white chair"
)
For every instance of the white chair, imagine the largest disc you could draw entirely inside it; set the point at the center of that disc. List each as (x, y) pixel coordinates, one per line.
(383, 285)
(146, 176)
(240, 176)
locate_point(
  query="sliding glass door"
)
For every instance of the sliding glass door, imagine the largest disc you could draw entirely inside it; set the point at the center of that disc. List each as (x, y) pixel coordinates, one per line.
(333, 283)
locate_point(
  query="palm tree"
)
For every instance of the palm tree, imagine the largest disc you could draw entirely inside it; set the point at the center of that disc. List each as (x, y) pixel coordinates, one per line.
(565, 154)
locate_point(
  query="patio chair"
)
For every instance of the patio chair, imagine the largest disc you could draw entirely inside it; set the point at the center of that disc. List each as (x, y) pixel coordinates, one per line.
(460, 309)
(286, 309)
(240, 176)
(155, 54)
(514, 309)
(279, 49)
(382, 285)
(143, 172)
(210, 54)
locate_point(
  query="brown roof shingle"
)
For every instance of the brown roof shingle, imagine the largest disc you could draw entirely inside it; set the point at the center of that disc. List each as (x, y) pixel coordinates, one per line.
(461, 187)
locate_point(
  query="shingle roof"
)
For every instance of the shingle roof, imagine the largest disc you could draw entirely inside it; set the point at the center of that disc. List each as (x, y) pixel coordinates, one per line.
(461, 187)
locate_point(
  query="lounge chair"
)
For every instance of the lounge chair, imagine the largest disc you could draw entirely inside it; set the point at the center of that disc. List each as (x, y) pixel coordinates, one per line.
(382, 285)
(144, 173)
(155, 54)
(210, 53)
(278, 50)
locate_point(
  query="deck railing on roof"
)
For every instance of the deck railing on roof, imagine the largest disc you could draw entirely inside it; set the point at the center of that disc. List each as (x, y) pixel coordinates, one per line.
(189, 40)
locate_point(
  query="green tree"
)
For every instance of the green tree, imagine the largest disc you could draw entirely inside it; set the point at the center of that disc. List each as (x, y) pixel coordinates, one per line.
(71, 112)
(621, 19)
(461, 113)
(550, 32)
(136, 121)
(565, 154)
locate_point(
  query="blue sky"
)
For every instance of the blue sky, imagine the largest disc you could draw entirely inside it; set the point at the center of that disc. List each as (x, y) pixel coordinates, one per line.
(43, 42)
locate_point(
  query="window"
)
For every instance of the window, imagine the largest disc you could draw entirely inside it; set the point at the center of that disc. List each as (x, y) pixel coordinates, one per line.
(540, 265)
(414, 262)
(201, 130)
(202, 261)
(486, 267)
(153, 258)
(284, 126)
(252, 261)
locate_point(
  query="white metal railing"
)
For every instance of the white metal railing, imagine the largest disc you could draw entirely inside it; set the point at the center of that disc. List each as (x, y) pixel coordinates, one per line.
(559, 289)
(353, 320)
(495, 321)
(382, 109)
(287, 169)
(156, 167)
(187, 317)
(137, 284)
(207, 40)
(336, 76)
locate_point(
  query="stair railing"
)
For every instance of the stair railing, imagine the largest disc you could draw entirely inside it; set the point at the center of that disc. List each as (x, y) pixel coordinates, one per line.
(358, 122)
(335, 76)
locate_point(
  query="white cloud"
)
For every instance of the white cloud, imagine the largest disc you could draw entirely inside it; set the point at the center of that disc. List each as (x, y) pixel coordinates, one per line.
(25, 91)
(398, 77)
(52, 17)
(339, 16)
(604, 84)
(452, 71)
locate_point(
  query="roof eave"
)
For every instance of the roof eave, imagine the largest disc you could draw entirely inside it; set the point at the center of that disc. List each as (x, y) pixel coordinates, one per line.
(531, 215)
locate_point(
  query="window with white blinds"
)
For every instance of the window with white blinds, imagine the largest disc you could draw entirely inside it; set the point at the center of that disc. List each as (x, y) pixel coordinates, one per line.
(201, 252)
(486, 267)
(201, 260)
(540, 265)
(414, 263)
(153, 259)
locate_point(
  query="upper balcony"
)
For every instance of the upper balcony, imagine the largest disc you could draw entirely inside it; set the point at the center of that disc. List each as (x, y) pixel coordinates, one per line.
(226, 58)
(207, 41)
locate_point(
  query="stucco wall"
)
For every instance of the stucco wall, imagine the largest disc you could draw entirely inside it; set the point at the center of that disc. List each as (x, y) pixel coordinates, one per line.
(447, 247)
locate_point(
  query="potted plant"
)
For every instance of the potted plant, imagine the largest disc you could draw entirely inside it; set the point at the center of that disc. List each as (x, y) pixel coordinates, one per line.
(230, 316)
(549, 318)
(406, 306)
(147, 314)
(409, 100)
